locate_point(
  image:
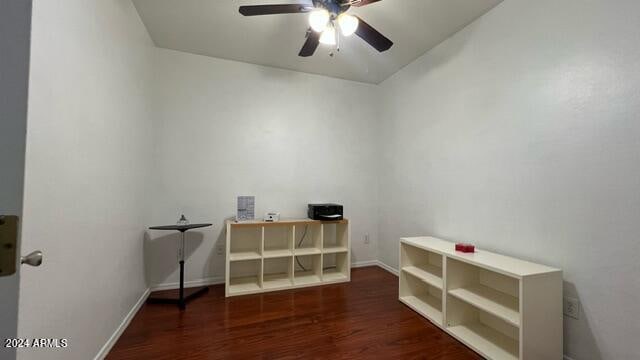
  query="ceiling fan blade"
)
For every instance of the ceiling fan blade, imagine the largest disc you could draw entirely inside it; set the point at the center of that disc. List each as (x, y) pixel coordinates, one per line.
(253, 10)
(310, 46)
(372, 36)
(363, 2)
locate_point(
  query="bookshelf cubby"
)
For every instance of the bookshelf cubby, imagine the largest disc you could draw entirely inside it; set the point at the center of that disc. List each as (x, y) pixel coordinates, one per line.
(491, 336)
(421, 297)
(335, 238)
(261, 256)
(247, 246)
(308, 239)
(423, 264)
(245, 276)
(277, 273)
(489, 291)
(278, 241)
(501, 307)
(309, 271)
(335, 266)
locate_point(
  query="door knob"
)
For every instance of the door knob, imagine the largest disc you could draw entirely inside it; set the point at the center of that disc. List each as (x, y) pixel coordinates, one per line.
(33, 259)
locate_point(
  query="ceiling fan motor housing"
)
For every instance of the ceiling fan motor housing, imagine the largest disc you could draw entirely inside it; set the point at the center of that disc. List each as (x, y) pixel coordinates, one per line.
(335, 7)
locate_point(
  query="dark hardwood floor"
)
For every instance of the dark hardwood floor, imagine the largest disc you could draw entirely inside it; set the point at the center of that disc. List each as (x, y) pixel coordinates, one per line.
(362, 319)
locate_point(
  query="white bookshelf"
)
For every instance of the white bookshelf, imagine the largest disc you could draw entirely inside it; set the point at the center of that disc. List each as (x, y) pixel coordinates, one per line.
(269, 256)
(501, 307)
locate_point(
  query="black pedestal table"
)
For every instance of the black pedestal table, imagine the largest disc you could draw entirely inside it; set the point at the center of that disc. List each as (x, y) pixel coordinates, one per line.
(194, 292)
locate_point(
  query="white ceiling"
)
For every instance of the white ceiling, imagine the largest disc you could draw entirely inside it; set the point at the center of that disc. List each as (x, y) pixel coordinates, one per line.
(215, 28)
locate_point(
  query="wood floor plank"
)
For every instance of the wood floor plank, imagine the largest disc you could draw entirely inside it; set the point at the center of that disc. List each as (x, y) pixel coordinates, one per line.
(362, 319)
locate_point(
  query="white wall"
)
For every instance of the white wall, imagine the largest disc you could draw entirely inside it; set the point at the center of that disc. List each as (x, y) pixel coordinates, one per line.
(521, 134)
(88, 159)
(226, 128)
(15, 28)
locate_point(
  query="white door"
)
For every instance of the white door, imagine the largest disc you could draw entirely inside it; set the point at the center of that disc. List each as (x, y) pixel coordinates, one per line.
(15, 29)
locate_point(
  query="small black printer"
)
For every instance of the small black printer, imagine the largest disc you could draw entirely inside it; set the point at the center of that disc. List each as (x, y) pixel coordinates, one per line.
(325, 212)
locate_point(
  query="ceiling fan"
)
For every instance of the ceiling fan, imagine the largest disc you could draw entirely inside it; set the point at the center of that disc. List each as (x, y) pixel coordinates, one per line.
(324, 17)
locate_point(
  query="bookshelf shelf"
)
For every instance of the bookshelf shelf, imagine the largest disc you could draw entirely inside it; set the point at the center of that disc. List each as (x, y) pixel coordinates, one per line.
(492, 301)
(430, 274)
(486, 341)
(244, 255)
(277, 253)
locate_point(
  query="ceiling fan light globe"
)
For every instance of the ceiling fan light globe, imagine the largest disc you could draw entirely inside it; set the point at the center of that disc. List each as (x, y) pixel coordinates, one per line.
(328, 36)
(348, 24)
(318, 19)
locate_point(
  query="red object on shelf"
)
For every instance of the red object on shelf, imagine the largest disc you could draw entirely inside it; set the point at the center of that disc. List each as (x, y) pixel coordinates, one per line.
(465, 248)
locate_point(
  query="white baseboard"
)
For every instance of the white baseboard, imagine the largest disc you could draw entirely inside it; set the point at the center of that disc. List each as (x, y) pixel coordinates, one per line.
(375, 263)
(188, 284)
(123, 325)
(390, 269)
(364, 263)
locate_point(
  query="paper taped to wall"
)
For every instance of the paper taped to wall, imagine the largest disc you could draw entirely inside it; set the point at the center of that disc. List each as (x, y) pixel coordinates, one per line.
(246, 208)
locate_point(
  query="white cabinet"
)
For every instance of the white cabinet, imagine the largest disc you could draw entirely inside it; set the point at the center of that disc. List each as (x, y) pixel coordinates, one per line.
(501, 307)
(268, 256)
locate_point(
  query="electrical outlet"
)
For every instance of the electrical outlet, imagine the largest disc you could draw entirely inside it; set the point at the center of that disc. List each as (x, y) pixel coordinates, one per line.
(366, 239)
(571, 307)
(219, 250)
